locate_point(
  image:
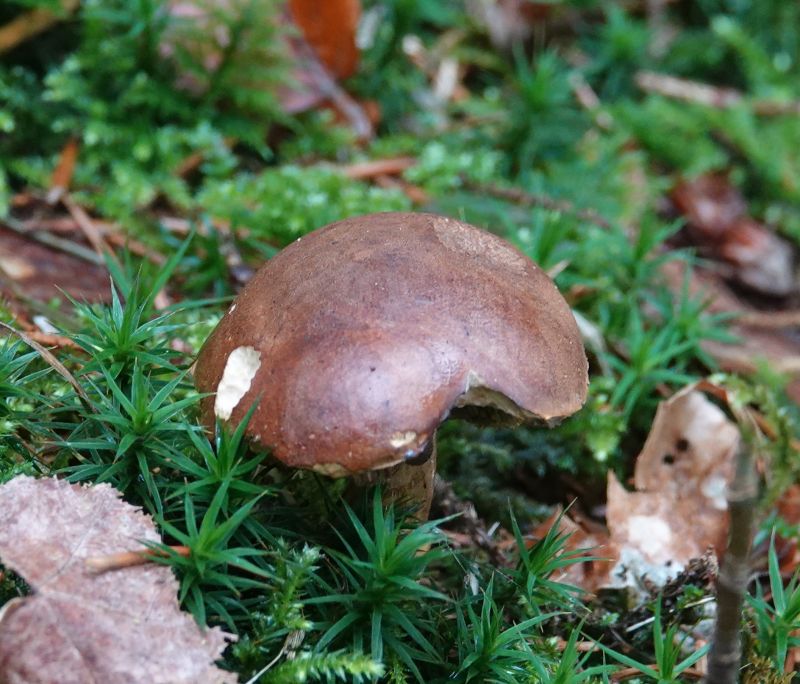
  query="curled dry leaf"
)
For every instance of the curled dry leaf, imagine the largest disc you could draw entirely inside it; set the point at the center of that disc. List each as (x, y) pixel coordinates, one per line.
(718, 222)
(79, 626)
(679, 508)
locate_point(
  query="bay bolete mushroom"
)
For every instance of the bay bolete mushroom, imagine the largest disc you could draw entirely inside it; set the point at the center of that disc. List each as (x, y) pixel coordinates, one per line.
(360, 338)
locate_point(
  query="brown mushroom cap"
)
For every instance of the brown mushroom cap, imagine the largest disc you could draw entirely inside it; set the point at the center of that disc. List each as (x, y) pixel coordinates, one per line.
(360, 338)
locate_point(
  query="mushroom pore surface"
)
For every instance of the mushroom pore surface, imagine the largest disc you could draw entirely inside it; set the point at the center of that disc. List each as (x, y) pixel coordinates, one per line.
(360, 338)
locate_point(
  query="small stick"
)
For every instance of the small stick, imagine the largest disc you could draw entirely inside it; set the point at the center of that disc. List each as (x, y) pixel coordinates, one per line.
(91, 231)
(588, 99)
(725, 655)
(711, 96)
(54, 363)
(415, 193)
(66, 246)
(129, 559)
(631, 672)
(329, 88)
(378, 167)
(67, 224)
(62, 176)
(51, 339)
(771, 320)
(524, 198)
(32, 23)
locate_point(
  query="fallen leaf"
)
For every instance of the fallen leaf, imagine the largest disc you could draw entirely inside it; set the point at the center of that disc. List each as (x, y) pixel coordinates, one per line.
(718, 223)
(79, 626)
(589, 542)
(779, 347)
(318, 54)
(330, 28)
(39, 271)
(678, 510)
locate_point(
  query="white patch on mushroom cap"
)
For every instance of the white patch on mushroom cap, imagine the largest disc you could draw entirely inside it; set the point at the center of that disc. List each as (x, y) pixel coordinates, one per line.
(240, 369)
(402, 439)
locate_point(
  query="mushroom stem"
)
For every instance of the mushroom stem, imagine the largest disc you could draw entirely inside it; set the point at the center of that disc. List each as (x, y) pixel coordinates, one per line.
(406, 483)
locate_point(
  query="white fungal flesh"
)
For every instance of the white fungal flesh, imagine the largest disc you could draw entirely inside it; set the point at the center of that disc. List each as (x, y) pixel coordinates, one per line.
(240, 369)
(402, 439)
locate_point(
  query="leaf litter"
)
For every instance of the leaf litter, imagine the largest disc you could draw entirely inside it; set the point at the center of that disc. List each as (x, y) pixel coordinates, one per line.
(80, 625)
(678, 508)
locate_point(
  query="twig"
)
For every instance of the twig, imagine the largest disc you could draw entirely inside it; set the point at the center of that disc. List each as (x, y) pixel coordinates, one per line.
(631, 672)
(711, 96)
(725, 654)
(190, 163)
(378, 167)
(415, 193)
(85, 223)
(66, 246)
(290, 644)
(67, 224)
(658, 26)
(524, 198)
(771, 320)
(62, 176)
(588, 99)
(51, 339)
(32, 23)
(54, 363)
(129, 559)
(330, 89)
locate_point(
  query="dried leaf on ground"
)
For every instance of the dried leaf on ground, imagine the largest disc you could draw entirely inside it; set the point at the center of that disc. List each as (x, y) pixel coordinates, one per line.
(78, 626)
(719, 224)
(779, 347)
(330, 28)
(678, 509)
(587, 541)
(41, 272)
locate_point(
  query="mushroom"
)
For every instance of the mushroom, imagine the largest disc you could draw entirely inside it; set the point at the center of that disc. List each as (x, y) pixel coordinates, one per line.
(360, 338)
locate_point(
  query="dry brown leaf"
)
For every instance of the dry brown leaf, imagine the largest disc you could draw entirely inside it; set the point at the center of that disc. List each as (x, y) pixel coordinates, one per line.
(679, 509)
(79, 626)
(330, 28)
(756, 342)
(718, 223)
(593, 544)
(39, 271)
